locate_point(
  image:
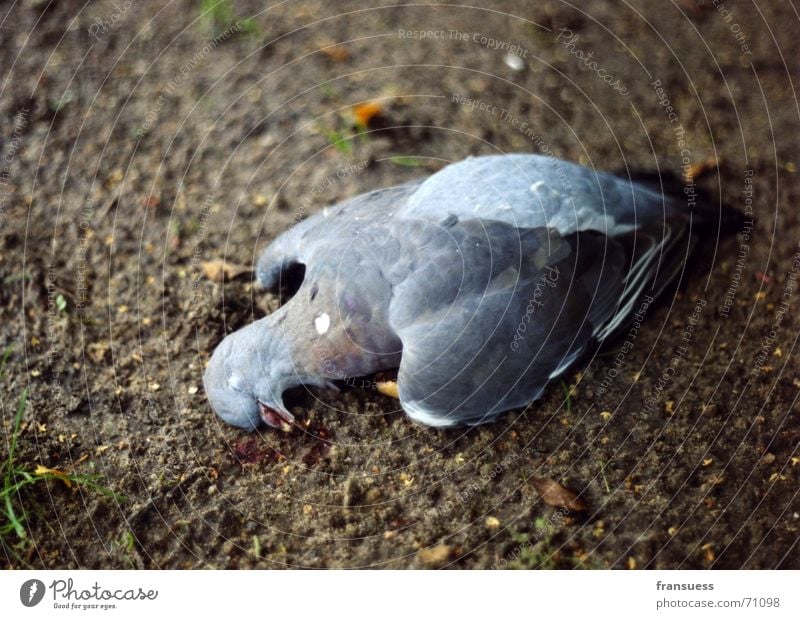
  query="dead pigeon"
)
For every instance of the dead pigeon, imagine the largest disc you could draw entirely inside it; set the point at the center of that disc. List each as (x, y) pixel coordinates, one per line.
(481, 283)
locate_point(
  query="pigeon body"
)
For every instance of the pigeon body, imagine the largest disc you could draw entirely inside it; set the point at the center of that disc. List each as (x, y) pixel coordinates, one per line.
(481, 283)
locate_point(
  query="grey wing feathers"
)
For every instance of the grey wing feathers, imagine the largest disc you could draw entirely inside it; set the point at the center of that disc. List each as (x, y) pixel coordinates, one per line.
(296, 244)
(537, 191)
(480, 340)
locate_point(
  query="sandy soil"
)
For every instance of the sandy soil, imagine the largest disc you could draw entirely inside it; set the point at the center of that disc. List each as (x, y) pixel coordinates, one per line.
(134, 148)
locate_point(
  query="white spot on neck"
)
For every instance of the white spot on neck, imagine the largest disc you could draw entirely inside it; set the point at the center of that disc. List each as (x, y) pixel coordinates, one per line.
(322, 323)
(536, 185)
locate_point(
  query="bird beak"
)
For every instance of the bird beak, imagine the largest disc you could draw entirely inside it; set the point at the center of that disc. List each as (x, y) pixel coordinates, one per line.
(276, 417)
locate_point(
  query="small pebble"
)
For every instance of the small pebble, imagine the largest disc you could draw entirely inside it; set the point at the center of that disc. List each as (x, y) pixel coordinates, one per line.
(514, 62)
(436, 556)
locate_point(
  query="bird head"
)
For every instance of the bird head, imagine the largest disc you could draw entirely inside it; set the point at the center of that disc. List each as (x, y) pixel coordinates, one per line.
(247, 375)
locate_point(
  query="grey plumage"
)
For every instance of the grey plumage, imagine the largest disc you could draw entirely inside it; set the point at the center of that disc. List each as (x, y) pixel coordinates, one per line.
(481, 283)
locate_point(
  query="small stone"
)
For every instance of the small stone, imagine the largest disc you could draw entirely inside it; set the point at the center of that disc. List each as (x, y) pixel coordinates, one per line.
(514, 62)
(435, 556)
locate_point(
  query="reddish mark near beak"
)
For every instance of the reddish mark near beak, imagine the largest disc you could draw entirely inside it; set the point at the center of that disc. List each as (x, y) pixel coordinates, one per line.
(274, 417)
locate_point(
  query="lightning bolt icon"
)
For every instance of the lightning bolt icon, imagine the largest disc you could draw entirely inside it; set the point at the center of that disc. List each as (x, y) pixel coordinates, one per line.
(34, 588)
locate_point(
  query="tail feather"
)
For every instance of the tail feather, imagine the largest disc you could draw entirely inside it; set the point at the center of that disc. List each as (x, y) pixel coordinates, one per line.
(690, 198)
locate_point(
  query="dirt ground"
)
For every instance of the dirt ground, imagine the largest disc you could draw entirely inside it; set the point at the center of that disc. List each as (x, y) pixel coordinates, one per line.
(135, 146)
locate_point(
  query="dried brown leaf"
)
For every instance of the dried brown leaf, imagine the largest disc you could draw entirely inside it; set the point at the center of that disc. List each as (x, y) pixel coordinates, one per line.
(219, 270)
(366, 112)
(556, 495)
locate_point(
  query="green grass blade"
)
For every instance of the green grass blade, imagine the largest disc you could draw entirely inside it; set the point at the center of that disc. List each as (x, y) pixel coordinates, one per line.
(23, 403)
(12, 518)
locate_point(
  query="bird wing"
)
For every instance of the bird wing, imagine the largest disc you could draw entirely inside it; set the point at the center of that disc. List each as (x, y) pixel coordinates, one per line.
(493, 312)
(538, 191)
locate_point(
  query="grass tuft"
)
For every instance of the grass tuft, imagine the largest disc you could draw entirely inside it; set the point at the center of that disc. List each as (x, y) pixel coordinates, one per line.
(219, 16)
(342, 143)
(17, 481)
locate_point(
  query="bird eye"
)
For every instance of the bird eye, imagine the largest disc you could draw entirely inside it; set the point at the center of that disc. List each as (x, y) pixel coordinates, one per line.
(236, 382)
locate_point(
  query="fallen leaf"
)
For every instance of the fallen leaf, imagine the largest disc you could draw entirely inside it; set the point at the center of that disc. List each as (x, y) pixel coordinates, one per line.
(43, 470)
(219, 270)
(556, 495)
(699, 168)
(337, 53)
(365, 112)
